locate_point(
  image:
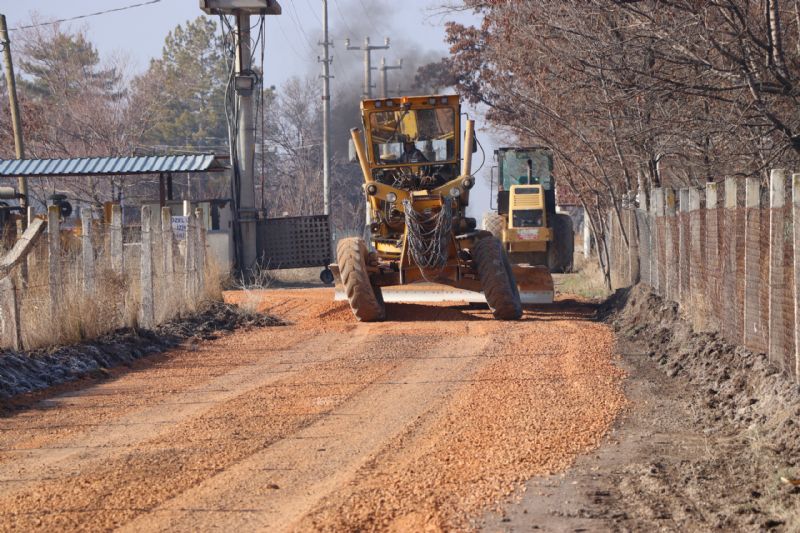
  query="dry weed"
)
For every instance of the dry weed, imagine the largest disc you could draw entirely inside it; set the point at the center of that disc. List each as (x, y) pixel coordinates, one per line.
(110, 302)
(586, 280)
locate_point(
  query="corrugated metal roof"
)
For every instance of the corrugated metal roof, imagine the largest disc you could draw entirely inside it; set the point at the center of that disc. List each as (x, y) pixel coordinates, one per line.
(104, 166)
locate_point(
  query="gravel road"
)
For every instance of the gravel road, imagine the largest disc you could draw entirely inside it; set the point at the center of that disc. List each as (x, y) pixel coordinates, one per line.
(424, 422)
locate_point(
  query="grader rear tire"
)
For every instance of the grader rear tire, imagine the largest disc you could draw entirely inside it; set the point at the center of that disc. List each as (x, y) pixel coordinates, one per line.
(562, 248)
(497, 279)
(365, 300)
(494, 223)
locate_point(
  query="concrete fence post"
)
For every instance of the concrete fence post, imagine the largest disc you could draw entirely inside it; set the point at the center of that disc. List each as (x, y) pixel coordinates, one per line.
(683, 246)
(147, 307)
(166, 237)
(87, 252)
(201, 251)
(632, 216)
(658, 241)
(31, 257)
(587, 235)
(775, 321)
(796, 266)
(652, 256)
(670, 257)
(712, 264)
(54, 259)
(752, 259)
(189, 260)
(695, 249)
(117, 249)
(733, 310)
(9, 315)
(158, 241)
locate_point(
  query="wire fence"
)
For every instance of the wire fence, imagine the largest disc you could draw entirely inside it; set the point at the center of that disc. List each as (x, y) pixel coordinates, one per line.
(726, 255)
(72, 285)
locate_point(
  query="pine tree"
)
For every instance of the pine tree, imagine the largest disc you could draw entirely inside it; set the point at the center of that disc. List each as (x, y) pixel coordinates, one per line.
(192, 76)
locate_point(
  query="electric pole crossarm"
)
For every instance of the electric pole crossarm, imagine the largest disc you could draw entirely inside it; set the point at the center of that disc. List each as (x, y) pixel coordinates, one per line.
(367, 48)
(384, 68)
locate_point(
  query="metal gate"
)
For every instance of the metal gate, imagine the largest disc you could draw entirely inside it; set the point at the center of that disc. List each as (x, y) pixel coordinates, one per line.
(294, 242)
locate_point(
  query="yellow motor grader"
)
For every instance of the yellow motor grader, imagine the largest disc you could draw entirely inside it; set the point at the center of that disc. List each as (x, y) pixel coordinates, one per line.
(417, 179)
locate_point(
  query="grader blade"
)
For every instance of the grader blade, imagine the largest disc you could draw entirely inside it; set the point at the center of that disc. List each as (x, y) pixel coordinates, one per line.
(535, 284)
(420, 293)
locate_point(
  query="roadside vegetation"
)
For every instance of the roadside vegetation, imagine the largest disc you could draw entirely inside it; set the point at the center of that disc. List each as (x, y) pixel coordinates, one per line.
(633, 95)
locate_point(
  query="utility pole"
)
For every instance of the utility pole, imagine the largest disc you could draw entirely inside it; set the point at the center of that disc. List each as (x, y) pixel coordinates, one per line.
(245, 83)
(399, 91)
(367, 92)
(384, 68)
(368, 48)
(326, 111)
(16, 119)
(246, 147)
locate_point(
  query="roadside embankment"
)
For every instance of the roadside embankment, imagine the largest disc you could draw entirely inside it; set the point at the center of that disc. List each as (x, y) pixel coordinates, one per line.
(25, 372)
(745, 408)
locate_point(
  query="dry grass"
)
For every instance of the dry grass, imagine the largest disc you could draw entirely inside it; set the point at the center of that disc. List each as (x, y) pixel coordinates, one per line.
(265, 278)
(297, 275)
(586, 280)
(112, 302)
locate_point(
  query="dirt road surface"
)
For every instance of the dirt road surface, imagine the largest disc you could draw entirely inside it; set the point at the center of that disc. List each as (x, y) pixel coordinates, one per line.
(425, 422)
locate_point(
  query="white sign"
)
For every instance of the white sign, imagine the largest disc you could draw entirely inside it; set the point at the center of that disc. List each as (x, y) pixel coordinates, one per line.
(531, 234)
(179, 225)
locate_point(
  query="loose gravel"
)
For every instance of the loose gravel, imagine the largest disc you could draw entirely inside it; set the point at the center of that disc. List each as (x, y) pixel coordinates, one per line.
(422, 422)
(539, 401)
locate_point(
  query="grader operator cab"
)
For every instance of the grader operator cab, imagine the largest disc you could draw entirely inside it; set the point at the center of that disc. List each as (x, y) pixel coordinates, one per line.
(537, 239)
(417, 180)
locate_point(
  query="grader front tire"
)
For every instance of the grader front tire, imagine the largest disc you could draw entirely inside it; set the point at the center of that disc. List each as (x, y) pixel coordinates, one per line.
(497, 279)
(365, 300)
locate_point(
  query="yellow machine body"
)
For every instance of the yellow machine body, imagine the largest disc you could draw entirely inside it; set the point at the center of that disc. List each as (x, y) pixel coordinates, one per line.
(433, 125)
(527, 203)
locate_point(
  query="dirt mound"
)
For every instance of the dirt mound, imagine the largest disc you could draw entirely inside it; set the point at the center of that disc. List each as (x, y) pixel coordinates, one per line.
(736, 383)
(22, 372)
(737, 397)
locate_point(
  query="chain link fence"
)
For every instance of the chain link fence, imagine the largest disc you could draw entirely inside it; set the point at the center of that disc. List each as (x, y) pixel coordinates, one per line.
(725, 254)
(68, 285)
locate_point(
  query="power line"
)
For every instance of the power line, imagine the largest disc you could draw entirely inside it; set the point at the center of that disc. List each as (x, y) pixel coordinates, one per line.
(308, 3)
(296, 20)
(344, 20)
(291, 46)
(86, 15)
(369, 17)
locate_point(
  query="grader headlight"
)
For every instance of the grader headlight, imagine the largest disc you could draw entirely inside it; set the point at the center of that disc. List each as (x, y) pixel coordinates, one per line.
(468, 183)
(391, 197)
(455, 192)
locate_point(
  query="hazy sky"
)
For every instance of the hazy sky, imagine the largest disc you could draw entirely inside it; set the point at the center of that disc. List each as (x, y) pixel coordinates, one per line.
(415, 27)
(291, 42)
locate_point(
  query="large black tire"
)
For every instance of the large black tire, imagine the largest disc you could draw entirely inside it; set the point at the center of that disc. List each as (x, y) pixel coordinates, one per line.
(561, 250)
(497, 279)
(365, 300)
(494, 224)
